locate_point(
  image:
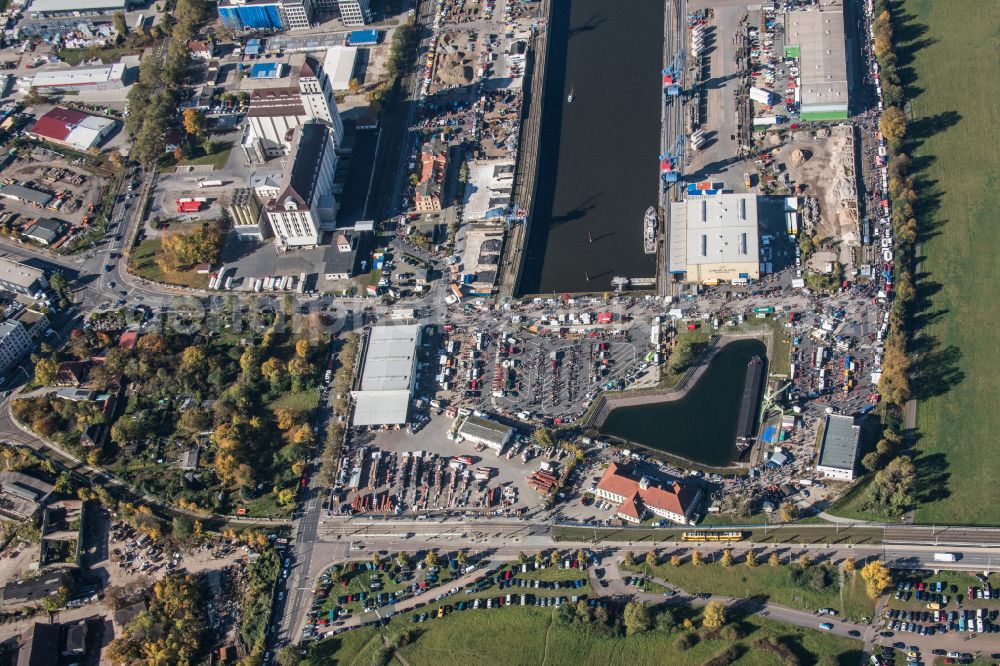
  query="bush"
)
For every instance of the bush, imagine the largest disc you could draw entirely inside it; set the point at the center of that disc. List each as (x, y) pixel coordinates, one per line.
(685, 641)
(724, 658)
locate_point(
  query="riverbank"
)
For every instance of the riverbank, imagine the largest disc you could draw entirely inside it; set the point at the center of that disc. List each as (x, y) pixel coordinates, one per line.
(526, 169)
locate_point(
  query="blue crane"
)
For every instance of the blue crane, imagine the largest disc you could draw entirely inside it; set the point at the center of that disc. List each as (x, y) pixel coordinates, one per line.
(672, 76)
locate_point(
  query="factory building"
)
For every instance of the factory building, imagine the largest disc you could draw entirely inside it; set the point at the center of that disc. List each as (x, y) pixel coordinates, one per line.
(839, 449)
(388, 374)
(339, 66)
(715, 238)
(266, 14)
(305, 206)
(816, 38)
(73, 129)
(80, 78)
(274, 112)
(487, 432)
(245, 214)
(57, 8)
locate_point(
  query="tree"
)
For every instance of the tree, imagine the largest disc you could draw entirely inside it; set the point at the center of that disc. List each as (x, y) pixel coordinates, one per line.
(788, 512)
(752, 559)
(401, 561)
(877, 578)
(891, 491)
(727, 558)
(893, 125)
(286, 496)
(463, 559)
(522, 557)
(543, 438)
(539, 558)
(431, 559)
(849, 565)
(636, 618)
(774, 560)
(696, 558)
(302, 348)
(289, 656)
(182, 527)
(665, 620)
(46, 371)
(675, 560)
(714, 616)
(121, 25)
(870, 461)
(353, 86)
(803, 560)
(651, 558)
(629, 559)
(554, 557)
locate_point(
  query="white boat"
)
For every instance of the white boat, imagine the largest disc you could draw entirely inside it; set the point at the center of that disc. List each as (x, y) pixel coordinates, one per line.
(650, 222)
(569, 98)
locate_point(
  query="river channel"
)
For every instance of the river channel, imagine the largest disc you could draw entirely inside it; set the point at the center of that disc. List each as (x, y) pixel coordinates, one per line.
(701, 426)
(597, 169)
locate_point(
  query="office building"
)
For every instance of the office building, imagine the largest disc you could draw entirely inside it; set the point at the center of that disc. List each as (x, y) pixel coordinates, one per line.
(388, 373)
(15, 343)
(305, 206)
(354, 12)
(21, 278)
(675, 502)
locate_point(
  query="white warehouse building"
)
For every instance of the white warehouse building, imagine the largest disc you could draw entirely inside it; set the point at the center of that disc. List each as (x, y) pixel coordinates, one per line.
(388, 374)
(838, 451)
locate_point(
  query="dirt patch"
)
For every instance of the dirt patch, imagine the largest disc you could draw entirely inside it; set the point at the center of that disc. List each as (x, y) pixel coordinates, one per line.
(456, 61)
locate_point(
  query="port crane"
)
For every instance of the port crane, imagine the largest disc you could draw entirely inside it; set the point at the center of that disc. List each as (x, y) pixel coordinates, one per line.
(771, 401)
(670, 162)
(672, 76)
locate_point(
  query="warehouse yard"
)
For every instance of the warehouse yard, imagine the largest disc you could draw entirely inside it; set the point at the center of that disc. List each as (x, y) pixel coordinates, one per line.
(956, 374)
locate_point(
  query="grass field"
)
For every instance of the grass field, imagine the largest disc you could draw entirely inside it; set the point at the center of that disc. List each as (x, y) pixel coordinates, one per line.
(953, 128)
(302, 401)
(774, 583)
(530, 636)
(144, 265)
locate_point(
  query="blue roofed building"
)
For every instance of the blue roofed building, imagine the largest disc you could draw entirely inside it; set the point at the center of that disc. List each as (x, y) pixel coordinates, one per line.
(364, 37)
(252, 14)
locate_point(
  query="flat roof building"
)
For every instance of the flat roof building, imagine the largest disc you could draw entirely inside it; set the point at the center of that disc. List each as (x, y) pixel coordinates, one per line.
(715, 238)
(244, 212)
(339, 66)
(816, 37)
(486, 432)
(388, 374)
(47, 8)
(71, 128)
(25, 195)
(80, 78)
(488, 190)
(838, 451)
(21, 278)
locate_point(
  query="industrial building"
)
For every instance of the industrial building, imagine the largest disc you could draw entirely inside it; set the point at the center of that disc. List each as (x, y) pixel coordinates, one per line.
(339, 66)
(265, 14)
(675, 502)
(274, 112)
(56, 8)
(715, 238)
(340, 259)
(838, 451)
(73, 129)
(245, 215)
(21, 278)
(44, 230)
(79, 78)
(485, 431)
(816, 38)
(354, 12)
(488, 190)
(388, 373)
(27, 195)
(305, 206)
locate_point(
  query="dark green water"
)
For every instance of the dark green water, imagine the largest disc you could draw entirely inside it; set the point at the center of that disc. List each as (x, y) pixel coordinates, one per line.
(701, 426)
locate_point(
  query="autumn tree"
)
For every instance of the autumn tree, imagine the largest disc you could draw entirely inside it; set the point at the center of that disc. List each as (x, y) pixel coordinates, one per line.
(788, 512)
(774, 560)
(629, 559)
(194, 122)
(675, 560)
(46, 371)
(696, 558)
(727, 558)
(752, 559)
(651, 558)
(877, 578)
(849, 565)
(714, 615)
(636, 618)
(893, 125)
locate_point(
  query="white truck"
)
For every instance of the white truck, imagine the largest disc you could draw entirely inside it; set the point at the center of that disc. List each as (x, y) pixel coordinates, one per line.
(945, 557)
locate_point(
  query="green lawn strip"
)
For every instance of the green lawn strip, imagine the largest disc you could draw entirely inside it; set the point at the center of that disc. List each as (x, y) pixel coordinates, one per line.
(518, 636)
(774, 583)
(266, 506)
(956, 376)
(301, 401)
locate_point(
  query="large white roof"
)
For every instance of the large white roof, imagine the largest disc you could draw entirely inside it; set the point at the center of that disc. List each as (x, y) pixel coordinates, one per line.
(380, 407)
(47, 6)
(819, 34)
(714, 229)
(339, 65)
(79, 76)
